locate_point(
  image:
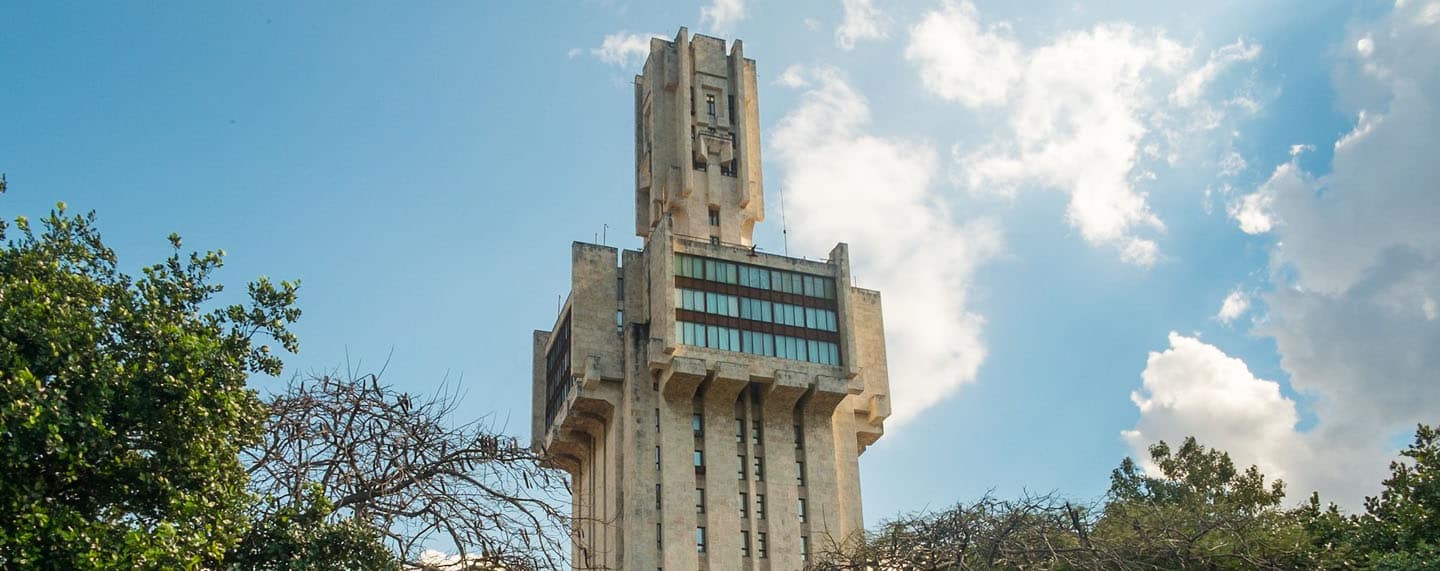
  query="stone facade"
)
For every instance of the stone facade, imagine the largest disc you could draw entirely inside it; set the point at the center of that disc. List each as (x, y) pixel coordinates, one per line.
(647, 395)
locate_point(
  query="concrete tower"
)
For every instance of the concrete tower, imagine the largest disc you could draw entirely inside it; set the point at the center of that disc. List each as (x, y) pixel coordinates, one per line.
(709, 400)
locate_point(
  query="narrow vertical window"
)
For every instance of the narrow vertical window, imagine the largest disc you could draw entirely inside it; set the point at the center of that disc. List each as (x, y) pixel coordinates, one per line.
(755, 431)
(714, 216)
(697, 424)
(760, 544)
(700, 500)
(710, 106)
(739, 431)
(759, 506)
(657, 420)
(742, 466)
(700, 539)
(804, 548)
(759, 469)
(744, 505)
(657, 457)
(744, 544)
(699, 458)
(657, 496)
(799, 473)
(801, 510)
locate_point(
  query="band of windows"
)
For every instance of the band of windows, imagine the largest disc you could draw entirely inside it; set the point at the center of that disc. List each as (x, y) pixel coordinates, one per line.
(754, 276)
(755, 309)
(757, 343)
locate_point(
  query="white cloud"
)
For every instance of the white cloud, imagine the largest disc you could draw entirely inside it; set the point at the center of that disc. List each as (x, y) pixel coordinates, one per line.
(623, 49)
(1253, 211)
(1232, 164)
(1355, 273)
(863, 21)
(1235, 305)
(1083, 114)
(842, 183)
(721, 16)
(1365, 46)
(1140, 252)
(1193, 85)
(793, 77)
(1194, 389)
(961, 62)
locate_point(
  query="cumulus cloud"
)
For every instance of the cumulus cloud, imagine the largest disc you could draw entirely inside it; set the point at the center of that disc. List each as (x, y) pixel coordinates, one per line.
(1083, 112)
(623, 49)
(843, 183)
(1193, 388)
(721, 16)
(1355, 263)
(1336, 229)
(1235, 305)
(862, 21)
(959, 60)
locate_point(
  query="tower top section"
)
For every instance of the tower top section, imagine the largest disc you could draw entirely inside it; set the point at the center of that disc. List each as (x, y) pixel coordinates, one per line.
(697, 141)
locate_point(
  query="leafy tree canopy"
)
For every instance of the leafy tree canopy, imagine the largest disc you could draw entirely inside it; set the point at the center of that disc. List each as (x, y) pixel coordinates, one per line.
(300, 536)
(123, 401)
(1400, 528)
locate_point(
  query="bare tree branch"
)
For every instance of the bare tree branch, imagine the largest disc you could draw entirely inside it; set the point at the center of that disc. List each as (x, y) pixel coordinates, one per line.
(395, 461)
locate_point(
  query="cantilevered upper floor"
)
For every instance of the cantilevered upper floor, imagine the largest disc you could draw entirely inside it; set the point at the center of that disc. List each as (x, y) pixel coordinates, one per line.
(684, 308)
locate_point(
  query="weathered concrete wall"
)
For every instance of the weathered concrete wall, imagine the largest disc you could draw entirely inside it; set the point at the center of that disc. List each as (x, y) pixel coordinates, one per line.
(675, 130)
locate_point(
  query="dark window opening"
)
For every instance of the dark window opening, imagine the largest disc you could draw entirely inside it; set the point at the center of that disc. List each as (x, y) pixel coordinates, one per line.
(557, 370)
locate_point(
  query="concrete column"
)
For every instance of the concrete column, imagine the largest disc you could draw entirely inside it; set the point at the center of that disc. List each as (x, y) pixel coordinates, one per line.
(722, 488)
(847, 473)
(823, 477)
(677, 474)
(781, 523)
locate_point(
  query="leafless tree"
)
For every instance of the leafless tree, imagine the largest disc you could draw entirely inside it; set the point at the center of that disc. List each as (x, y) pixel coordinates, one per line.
(402, 464)
(1200, 512)
(1034, 532)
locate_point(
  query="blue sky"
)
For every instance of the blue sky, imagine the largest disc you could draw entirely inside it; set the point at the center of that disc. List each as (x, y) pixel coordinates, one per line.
(1056, 198)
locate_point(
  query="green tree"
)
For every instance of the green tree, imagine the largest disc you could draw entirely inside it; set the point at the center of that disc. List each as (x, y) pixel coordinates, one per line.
(1200, 512)
(123, 402)
(1401, 527)
(301, 536)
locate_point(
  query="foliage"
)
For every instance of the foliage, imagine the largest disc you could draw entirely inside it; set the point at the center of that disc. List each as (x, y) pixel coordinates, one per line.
(300, 536)
(1195, 511)
(123, 402)
(1037, 531)
(1200, 512)
(397, 462)
(1400, 528)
